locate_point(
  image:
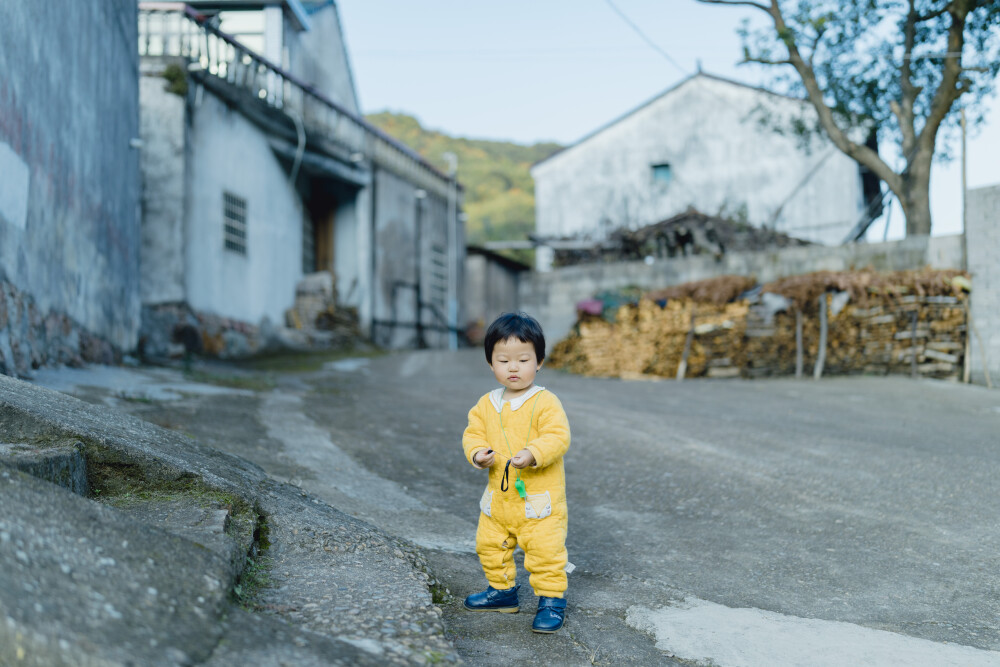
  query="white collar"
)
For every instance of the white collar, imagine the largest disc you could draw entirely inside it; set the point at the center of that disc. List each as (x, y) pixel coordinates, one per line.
(497, 400)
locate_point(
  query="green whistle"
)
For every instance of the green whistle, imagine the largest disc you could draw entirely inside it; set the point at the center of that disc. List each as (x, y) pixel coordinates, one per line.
(519, 485)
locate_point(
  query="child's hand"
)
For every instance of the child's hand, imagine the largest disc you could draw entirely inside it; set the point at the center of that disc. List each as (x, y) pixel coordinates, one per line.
(523, 459)
(484, 458)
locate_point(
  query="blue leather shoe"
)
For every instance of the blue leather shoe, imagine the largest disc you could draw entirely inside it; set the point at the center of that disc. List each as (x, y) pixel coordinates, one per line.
(550, 615)
(493, 599)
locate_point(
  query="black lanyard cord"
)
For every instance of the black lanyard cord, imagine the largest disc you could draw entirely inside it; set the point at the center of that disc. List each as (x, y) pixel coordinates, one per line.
(505, 482)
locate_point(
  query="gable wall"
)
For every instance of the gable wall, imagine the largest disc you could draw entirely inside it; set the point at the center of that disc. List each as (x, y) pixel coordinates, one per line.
(722, 159)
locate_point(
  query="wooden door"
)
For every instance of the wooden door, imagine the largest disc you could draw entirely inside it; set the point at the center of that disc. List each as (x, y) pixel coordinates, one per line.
(324, 215)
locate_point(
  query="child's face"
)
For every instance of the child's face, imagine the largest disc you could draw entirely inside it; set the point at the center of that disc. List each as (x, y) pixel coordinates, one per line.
(514, 365)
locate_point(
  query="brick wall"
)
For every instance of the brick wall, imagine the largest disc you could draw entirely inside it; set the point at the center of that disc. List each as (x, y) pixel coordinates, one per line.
(983, 230)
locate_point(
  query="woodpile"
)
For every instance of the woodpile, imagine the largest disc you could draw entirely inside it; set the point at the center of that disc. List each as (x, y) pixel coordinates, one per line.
(876, 323)
(713, 290)
(878, 339)
(647, 339)
(866, 286)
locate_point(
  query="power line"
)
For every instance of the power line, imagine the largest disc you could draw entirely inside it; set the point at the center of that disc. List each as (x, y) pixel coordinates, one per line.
(646, 39)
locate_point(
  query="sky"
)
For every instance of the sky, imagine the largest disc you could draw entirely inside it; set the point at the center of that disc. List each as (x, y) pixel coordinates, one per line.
(555, 70)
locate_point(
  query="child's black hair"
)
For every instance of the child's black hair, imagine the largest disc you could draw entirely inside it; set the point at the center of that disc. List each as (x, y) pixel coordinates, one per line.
(515, 325)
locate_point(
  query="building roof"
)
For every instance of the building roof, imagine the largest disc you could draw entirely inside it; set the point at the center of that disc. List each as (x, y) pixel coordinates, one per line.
(372, 129)
(315, 5)
(294, 8)
(506, 262)
(660, 96)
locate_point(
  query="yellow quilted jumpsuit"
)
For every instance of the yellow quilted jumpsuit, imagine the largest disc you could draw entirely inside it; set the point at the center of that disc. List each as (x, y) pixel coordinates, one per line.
(539, 521)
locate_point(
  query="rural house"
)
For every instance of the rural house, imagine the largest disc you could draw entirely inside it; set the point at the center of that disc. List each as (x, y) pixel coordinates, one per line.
(258, 170)
(711, 144)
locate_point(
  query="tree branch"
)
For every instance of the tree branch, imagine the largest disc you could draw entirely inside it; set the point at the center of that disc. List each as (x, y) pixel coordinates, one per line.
(908, 92)
(933, 15)
(746, 3)
(859, 152)
(949, 89)
(815, 45)
(747, 58)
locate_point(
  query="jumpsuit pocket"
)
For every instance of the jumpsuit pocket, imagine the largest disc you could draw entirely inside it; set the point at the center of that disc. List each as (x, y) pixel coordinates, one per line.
(485, 502)
(537, 505)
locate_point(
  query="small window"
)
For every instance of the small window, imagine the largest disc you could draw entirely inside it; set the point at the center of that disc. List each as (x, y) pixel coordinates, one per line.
(234, 216)
(662, 173)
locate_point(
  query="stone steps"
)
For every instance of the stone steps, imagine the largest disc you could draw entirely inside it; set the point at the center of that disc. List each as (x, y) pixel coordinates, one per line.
(191, 513)
(59, 462)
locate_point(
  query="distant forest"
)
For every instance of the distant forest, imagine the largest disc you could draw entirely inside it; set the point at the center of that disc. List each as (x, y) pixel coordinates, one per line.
(499, 193)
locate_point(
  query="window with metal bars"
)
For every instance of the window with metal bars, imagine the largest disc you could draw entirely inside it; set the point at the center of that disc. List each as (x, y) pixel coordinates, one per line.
(234, 217)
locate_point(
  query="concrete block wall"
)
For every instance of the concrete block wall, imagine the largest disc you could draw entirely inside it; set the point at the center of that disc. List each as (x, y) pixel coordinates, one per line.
(983, 230)
(393, 302)
(552, 297)
(490, 290)
(69, 178)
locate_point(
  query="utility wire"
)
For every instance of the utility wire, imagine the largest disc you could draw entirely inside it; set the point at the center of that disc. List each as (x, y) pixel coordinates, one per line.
(646, 39)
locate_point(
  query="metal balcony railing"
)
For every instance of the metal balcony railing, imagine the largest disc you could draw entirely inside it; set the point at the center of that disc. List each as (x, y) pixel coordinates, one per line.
(173, 29)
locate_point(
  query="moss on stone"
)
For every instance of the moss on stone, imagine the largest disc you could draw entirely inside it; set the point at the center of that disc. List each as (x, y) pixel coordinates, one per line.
(304, 362)
(120, 484)
(251, 382)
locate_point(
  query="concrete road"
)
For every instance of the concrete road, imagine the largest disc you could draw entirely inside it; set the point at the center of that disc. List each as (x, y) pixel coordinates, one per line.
(843, 522)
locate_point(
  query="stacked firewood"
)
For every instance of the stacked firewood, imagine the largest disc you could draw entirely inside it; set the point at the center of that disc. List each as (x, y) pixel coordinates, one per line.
(649, 339)
(876, 323)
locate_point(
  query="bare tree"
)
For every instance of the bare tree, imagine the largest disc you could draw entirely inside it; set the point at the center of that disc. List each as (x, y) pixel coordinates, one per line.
(897, 65)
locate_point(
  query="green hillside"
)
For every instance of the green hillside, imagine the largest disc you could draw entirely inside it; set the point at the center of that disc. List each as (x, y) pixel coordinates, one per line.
(499, 192)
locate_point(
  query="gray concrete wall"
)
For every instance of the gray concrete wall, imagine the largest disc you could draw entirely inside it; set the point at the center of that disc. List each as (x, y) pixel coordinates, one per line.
(434, 268)
(163, 164)
(552, 297)
(490, 289)
(348, 262)
(722, 159)
(69, 194)
(396, 270)
(983, 230)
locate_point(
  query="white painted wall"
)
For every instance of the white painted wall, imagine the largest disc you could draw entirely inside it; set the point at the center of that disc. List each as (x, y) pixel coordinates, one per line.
(228, 153)
(722, 158)
(319, 57)
(274, 32)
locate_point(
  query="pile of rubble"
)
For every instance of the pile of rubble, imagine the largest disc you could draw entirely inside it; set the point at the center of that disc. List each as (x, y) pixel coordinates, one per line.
(825, 322)
(689, 233)
(317, 314)
(315, 321)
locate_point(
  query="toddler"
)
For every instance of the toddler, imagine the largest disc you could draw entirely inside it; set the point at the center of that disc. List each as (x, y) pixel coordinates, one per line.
(519, 432)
